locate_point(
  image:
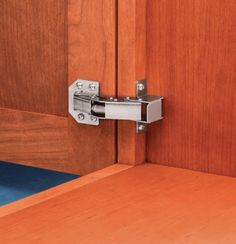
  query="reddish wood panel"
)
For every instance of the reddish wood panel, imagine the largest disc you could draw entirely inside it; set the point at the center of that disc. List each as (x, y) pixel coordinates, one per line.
(33, 55)
(144, 204)
(33, 45)
(45, 141)
(92, 33)
(131, 67)
(34, 139)
(191, 62)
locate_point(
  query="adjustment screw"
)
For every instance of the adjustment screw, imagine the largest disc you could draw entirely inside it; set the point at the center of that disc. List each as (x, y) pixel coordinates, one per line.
(140, 87)
(141, 127)
(92, 86)
(79, 85)
(94, 119)
(81, 116)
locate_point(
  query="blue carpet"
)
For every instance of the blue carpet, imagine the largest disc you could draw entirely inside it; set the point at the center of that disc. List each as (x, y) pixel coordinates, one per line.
(17, 181)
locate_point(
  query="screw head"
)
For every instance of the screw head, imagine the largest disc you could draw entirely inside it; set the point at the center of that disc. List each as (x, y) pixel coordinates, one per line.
(110, 98)
(141, 127)
(81, 116)
(93, 118)
(92, 86)
(140, 87)
(79, 85)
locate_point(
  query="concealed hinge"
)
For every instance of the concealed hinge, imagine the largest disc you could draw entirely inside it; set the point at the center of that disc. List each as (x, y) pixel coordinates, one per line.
(87, 107)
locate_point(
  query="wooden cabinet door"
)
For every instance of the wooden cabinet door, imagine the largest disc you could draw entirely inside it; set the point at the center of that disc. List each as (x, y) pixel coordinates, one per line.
(44, 47)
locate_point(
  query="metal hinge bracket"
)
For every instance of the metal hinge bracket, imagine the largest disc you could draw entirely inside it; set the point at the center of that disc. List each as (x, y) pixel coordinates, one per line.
(87, 107)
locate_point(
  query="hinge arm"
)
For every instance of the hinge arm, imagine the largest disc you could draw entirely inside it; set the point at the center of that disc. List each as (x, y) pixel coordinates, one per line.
(87, 107)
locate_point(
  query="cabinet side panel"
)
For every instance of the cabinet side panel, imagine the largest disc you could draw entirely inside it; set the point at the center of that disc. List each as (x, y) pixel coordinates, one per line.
(191, 51)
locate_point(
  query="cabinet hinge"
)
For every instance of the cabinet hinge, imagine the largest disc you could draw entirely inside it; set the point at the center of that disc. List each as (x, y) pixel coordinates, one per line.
(87, 107)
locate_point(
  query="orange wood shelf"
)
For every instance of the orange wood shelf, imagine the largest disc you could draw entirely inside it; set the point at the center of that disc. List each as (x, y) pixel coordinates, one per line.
(143, 204)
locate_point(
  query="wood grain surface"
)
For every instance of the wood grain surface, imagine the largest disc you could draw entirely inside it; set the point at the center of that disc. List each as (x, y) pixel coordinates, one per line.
(61, 189)
(33, 55)
(144, 204)
(92, 56)
(191, 60)
(131, 67)
(44, 141)
(34, 139)
(33, 73)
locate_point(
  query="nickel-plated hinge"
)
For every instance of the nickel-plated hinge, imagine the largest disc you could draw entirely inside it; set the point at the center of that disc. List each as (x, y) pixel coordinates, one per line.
(87, 107)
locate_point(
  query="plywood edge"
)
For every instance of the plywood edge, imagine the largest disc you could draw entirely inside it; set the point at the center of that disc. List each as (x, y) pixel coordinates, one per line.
(61, 189)
(131, 67)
